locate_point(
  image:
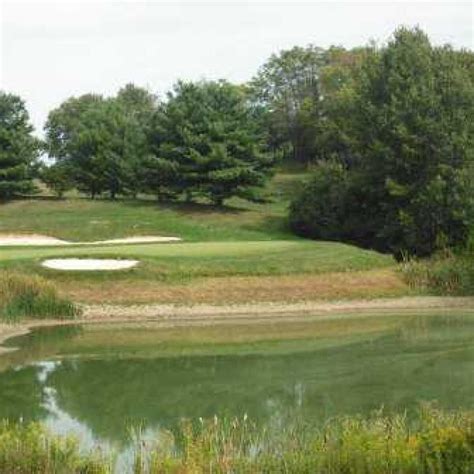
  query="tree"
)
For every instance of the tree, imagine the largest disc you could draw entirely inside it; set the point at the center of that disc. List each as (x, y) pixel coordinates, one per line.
(101, 141)
(288, 87)
(411, 137)
(57, 177)
(208, 132)
(18, 148)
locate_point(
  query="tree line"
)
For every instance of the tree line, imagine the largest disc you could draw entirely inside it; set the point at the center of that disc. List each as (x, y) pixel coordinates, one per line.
(387, 132)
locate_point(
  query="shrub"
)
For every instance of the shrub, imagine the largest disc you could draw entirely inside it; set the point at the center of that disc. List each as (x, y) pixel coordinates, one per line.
(319, 209)
(445, 273)
(33, 297)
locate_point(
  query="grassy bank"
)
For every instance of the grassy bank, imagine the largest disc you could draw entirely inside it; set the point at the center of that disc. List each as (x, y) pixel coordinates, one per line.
(31, 297)
(238, 253)
(432, 442)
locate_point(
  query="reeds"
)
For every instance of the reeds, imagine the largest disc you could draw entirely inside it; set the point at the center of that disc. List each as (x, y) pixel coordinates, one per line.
(432, 442)
(31, 449)
(24, 296)
(446, 273)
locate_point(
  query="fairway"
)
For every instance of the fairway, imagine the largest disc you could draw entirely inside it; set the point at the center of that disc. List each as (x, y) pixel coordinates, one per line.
(222, 250)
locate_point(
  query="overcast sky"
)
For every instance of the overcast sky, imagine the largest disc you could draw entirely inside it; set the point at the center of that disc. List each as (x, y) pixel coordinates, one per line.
(53, 50)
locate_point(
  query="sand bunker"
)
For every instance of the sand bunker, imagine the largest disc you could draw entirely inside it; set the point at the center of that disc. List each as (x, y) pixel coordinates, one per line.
(43, 240)
(88, 264)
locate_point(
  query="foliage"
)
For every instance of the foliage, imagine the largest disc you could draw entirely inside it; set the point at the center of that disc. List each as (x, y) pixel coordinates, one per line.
(18, 148)
(32, 297)
(57, 177)
(434, 442)
(445, 273)
(101, 142)
(287, 87)
(410, 136)
(207, 144)
(320, 207)
(30, 448)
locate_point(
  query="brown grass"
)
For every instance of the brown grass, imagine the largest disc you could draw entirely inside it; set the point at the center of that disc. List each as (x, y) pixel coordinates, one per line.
(289, 288)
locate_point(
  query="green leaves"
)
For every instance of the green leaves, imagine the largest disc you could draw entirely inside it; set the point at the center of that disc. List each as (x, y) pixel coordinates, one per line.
(19, 150)
(406, 134)
(208, 130)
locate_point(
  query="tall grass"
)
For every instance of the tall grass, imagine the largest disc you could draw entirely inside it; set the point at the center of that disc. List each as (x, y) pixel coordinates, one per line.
(31, 449)
(446, 273)
(434, 442)
(31, 296)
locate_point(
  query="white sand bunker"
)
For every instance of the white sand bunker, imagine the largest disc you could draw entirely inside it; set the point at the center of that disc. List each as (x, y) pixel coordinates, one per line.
(33, 239)
(43, 240)
(88, 264)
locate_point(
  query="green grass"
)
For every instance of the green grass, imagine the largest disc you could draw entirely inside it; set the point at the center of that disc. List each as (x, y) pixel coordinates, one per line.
(242, 239)
(80, 219)
(435, 442)
(22, 296)
(184, 261)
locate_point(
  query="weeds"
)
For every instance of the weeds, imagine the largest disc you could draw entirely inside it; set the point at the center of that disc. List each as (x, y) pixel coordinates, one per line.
(434, 442)
(446, 273)
(24, 296)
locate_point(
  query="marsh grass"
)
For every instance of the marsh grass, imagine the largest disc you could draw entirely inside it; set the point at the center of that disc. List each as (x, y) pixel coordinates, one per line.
(446, 273)
(432, 442)
(31, 449)
(24, 296)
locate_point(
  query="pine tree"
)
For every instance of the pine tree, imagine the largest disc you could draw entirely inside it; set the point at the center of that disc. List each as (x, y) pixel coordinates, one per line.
(18, 148)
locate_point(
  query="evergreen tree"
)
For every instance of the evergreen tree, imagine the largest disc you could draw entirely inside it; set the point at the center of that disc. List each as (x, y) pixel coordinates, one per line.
(208, 132)
(18, 148)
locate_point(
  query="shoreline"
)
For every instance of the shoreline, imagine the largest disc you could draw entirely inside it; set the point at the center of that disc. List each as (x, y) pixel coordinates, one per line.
(181, 316)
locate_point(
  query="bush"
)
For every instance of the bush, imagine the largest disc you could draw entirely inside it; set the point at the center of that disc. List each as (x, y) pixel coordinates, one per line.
(32, 297)
(319, 209)
(446, 273)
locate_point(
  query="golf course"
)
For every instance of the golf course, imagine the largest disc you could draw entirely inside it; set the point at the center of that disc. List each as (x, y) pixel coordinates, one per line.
(228, 249)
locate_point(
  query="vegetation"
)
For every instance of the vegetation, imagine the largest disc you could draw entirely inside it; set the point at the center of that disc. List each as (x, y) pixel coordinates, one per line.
(32, 297)
(30, 448)
(433, 442)
(407, 184)
(446, 273)
(18, 148)
(388, 132)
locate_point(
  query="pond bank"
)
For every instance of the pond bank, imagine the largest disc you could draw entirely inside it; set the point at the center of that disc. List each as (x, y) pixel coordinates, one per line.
(175, 316)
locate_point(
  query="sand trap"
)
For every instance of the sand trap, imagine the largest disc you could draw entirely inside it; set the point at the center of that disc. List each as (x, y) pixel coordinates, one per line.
(43, 240)
(33, 239)
(88, 264)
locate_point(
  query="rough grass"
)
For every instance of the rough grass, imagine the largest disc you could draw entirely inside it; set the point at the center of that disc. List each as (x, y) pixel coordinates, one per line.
(433, 442)
(444, 274)
(31, 297)
(377, 283)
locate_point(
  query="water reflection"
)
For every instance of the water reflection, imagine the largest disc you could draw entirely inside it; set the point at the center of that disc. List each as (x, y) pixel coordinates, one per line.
(100, 396)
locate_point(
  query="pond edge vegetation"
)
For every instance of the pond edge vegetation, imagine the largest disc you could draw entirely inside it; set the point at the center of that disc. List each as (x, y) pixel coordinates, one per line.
(432, 441)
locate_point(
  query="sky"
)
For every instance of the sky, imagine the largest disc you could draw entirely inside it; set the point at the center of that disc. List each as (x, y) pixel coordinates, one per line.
(50, 51)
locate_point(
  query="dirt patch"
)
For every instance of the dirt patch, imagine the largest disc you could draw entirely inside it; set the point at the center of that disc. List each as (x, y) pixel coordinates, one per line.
(88, 264)
(260, 312)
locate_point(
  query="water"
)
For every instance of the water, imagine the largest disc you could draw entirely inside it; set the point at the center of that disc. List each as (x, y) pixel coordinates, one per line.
(97, 381)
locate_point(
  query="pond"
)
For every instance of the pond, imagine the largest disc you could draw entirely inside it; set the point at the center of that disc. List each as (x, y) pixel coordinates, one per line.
(97, 381)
